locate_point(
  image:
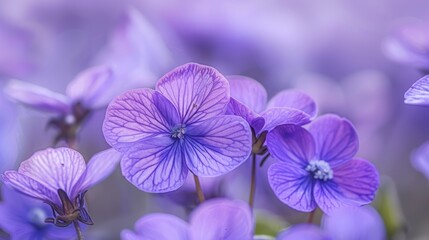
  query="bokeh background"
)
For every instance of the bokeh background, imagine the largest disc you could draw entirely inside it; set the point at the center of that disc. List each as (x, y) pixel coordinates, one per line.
(335, 50)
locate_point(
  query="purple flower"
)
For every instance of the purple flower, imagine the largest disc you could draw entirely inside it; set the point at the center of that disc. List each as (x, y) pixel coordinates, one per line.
(60, 178)
(212, 220)
(355, 223)
(176, 128)
(83, 94)
(23, 217)
(418, 94)
(420, 159)
(303, 232)
(317, 168)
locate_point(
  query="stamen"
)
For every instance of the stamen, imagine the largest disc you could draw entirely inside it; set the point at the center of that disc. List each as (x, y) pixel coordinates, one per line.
(320, 170)
(178, 132)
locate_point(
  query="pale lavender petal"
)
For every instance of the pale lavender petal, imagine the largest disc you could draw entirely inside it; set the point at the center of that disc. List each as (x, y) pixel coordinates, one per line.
(37, 97)
(278, 116)
(59, 168)
(239, 109)
(418, 94)
(221, 219)
(198, 92)
(354, 184)
(292, 185)
(248, 92)
(336, 139)
(356, 223)
(420, 159)
(99, 167)
(155, 165)
(158, 226)
(291, 143)
(294, 99)
(88, 87)
(217, 146)
(303, 232)
(138, 114)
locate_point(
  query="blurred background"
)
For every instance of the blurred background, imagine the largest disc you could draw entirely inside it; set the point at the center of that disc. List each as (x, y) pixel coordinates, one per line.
(348, 55)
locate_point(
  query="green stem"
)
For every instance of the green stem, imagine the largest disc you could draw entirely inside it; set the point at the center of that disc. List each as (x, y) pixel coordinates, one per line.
(199, 189)
(78, 231)
(311, 216)
(252, 182)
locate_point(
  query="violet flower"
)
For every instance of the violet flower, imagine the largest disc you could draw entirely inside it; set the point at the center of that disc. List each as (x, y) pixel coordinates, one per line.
(420, 159)
(302, 232)
(214, 219)
(418, 94)
(178, 127)
(60, 178)
(317, 167)
(23, 217)
(84, 94)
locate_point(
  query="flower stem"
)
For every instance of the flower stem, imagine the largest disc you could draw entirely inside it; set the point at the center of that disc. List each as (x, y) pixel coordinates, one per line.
(264, 159)
(252, 182)
(78, 231)
(199, 189)
(311, 216)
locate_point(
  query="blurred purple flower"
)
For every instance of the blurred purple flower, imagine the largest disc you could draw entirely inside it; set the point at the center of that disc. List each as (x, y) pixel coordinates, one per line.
(60, 178)
(8, 134)
(418, 94)
(317, 168)
(176, 128)
(24, 218)
(420, 159)
(212, 220)
(355, 223)
(303, 232)
(85, 93)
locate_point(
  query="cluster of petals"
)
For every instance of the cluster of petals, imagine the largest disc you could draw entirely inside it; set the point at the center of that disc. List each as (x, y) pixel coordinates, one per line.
(317, 166)
(177, 127)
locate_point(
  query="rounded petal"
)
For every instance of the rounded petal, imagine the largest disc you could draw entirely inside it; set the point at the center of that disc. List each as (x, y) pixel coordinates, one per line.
(292, 185)
(420, 159)
(294, 99)
(302, 232)
(221, 219)
(198, 92)
(217, 146)
(155, 165)
(336, 139)
(136, 115)
(248, 92)
(88, 87)
(238, 109)
(99, 167)
(55, 168)
(354, 184)
(291, 143)
(37, 97)
(418, 94)
(355, 224)
(278, 116)
(158, 226)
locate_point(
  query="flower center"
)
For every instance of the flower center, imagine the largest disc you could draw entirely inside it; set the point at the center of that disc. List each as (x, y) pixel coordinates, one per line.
(37, 217)
(320, 170)
(178, 132)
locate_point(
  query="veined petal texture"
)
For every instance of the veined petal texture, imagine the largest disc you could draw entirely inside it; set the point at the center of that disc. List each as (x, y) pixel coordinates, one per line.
(248, 92)
(221, 219)
(197, 92)
(217, 146)
(418, 94)
(138, 114)
(282, 115)
(336, 139)
(294, 99)
(37, 97)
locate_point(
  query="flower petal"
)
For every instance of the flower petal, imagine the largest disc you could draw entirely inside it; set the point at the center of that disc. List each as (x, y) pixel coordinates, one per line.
(99, 167)
(303, 231)
(138, 114)
(336, 139)
(221, 219)
(37, 97)
(291, 143)
(418, 94)
(55, 168)
(294, 99)
(248, 92)
(88, 87)
(198, 92)
(278, 116)
(354, 184)
(238, 109)
(155, 165)
(292, 185)
(217, 146)
(420, 159)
